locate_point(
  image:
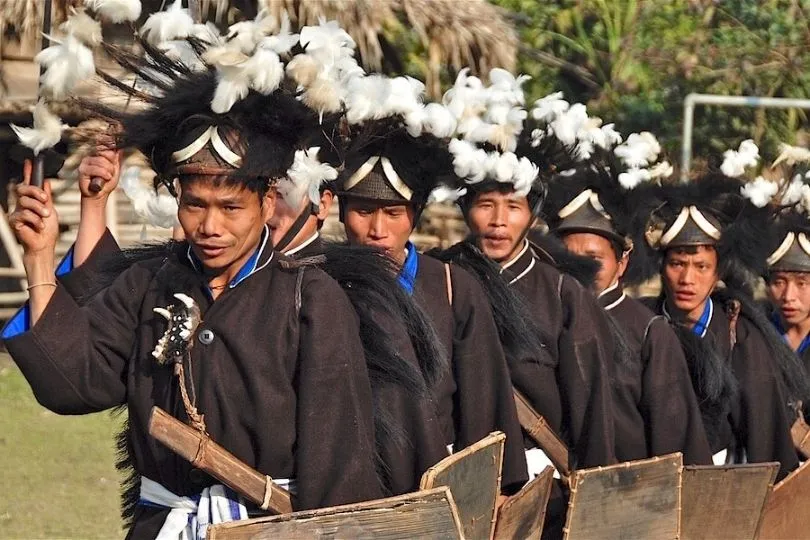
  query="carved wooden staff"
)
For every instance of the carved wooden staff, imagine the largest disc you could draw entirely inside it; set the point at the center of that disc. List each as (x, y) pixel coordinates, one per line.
(208, 456)
(538, 429)
(38, 173)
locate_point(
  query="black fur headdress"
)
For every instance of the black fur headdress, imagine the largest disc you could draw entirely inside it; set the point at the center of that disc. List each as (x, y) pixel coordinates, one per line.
(740, 242)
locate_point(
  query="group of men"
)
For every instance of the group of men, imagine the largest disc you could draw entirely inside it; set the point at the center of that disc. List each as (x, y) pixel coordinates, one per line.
(344, 373)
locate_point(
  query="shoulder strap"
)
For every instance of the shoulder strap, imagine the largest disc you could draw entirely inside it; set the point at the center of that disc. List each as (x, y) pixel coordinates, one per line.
(733, 314)
(299, 281)
(449, 283)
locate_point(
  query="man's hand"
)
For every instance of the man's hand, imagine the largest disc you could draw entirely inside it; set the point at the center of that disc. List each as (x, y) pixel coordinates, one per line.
(104, 165)
(34, 220)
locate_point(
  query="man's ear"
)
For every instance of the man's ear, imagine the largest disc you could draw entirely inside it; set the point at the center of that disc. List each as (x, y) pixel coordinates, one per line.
(623, 262)
(269, 203)
(327, 198)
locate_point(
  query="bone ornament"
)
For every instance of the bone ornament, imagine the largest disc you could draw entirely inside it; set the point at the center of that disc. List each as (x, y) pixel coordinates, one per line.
(183, 318)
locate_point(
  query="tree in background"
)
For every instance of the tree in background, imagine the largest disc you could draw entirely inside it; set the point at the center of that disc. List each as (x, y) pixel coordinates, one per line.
(634, 62)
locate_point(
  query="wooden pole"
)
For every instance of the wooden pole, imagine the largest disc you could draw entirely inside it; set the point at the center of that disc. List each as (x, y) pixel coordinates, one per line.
(38, 174)
(210, 457)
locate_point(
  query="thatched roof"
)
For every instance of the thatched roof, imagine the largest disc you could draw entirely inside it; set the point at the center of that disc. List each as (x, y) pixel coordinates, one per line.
(454, 33)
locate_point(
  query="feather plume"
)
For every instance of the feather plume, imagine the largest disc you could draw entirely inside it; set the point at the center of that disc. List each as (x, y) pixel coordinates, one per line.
(244, 36)
(169, 25)
(445, 194)
(282, 41)
(438, 120)
(305, 177)
(157, 207)
(47, 130)
(639, 150)
(791, 155)
(265, 70)
(233, 80)
(759, 191)
(736, 161)
(115, 11)
(548, 108)
(67, 63)
(83, 27)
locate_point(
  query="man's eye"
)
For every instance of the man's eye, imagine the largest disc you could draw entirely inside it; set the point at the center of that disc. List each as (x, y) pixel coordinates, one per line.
(231, 208)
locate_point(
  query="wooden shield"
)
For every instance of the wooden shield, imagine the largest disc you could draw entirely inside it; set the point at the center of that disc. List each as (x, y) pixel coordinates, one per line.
(474, 478)
(724, 502)
(800, 432)
(523, 514)
(786, 514)
(638, 499)
(425, 514)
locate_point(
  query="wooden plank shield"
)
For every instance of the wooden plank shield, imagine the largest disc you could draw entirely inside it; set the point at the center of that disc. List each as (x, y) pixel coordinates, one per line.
(786, 514)
(800, 432)
(474, 478)
(724, 502)
(425, 514)
(637, 499)
(523, 514)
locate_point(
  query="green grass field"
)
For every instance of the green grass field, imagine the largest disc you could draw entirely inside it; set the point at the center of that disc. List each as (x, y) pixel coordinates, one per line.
(57, 478)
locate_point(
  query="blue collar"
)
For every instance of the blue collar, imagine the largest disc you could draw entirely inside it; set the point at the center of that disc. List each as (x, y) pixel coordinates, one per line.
(255, 263)
(777, 322)
(702, 324)
(407, 276)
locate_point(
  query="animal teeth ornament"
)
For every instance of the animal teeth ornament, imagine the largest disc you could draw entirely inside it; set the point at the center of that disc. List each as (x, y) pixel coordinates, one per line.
(183, 318)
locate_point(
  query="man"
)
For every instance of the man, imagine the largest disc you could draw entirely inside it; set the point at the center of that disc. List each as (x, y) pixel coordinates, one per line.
(382, 192)
(310, 383)
(721, 329)
(788, 280)
(590, 212)
(575, 330)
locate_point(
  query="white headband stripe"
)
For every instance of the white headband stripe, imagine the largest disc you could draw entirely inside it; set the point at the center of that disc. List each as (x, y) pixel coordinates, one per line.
(704, 224)
(676, 227)
(783, 248)
(388, 169)
(232, 158)
(396, 182)
(699, 219)
(575, 204)
(364, 170)
(210, 134)
(804, 242)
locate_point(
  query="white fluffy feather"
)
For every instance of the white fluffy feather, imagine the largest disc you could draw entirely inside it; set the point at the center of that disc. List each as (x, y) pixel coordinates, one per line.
(158, 208)
(282, 41)
(639, 150)
(759, 191)
(171, 24)
(467, 97)
(233, 80)
(547, 108)
(633, 177)
(793, 191)
(265, 70)
(444, 194)
(46, 132)
(67, 63)
(791, 155)
(567, 124)
(246, 35)
(736, 161)
(661, 170)
(305, 177)
(83, 27)
(438, 120)
(116, 11)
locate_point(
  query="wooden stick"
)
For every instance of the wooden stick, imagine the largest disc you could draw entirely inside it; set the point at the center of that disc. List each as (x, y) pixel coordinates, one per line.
(210, 457)
(538, 429)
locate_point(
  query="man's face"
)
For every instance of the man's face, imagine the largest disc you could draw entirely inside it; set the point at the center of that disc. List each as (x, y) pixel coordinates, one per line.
(284, 217)
(601, 250)
(222, 223)
(690, 276)
(498, 220)
(380, 225)
(790, 292)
